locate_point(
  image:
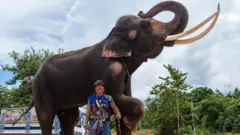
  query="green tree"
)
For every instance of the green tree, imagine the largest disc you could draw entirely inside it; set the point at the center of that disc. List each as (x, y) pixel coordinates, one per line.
(229, 119)
(235, 94)
(166, 113)
(200, 93)
(25, 67)
(4, 94)
(173, 113)
(209, 111)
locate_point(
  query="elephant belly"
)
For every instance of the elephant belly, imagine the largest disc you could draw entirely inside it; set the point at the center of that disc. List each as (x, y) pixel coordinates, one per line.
(72, 87)
(72, 97)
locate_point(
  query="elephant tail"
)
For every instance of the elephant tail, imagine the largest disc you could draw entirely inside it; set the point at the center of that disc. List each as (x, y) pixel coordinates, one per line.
(25, 112)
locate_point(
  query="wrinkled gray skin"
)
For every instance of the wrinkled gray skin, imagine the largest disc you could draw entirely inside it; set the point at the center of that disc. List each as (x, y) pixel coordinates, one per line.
(64, 81)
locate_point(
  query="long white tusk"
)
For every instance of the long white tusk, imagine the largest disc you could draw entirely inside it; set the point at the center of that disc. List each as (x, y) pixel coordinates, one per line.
(186, 33)
(195, 38)
(187, 41)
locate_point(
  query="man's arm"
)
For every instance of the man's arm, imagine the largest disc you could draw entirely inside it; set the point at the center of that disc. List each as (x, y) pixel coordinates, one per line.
(114, 107)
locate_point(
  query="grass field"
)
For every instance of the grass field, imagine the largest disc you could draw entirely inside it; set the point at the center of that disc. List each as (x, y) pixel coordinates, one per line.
(138, 132)
(150, 132)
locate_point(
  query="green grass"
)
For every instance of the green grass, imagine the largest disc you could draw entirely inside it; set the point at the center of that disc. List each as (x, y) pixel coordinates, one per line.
(143, 131)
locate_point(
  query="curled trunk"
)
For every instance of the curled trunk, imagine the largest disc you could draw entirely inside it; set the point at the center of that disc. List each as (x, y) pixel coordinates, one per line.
(175, 26)
(178, 24)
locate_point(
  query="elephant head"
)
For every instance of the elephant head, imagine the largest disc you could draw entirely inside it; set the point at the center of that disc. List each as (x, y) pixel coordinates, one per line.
(144, 37)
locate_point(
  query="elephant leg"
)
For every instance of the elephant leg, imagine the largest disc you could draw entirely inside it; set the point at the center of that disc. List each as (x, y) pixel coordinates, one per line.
(45, 118)
(68, 118)
(132, 110)
(123, 128)
(44, 105)
(127, 92)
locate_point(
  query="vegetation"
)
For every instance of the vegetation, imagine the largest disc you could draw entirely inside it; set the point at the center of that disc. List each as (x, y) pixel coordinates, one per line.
(24, 68)
(182, 108)
(4, 94)
(179, 110)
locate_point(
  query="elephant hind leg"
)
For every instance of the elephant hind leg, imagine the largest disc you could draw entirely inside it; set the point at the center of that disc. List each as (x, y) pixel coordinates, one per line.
(68, 118)
(44, 105)
(45, 120)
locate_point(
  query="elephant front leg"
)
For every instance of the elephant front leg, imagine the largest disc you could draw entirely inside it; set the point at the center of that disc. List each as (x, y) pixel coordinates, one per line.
(132, 110)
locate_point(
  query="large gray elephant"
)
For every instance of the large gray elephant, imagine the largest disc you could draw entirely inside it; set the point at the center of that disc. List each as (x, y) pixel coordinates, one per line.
(64, 81)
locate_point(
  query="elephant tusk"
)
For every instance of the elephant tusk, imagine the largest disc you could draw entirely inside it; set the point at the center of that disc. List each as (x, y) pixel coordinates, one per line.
(193, 39)
(183, 34)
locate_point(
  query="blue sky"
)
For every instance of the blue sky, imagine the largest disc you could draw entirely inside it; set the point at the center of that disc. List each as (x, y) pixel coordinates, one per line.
(4, 76)
(73, 24)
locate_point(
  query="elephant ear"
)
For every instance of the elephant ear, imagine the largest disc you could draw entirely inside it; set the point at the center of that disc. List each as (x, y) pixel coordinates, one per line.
(117, 43)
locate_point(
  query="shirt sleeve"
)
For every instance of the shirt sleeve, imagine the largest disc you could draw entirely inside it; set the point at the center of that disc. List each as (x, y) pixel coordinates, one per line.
(89, 99)
(109, 98)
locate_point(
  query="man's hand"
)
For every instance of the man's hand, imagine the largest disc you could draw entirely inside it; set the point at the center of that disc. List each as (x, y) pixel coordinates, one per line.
(116, 110)
(118, 116)
(86, 127)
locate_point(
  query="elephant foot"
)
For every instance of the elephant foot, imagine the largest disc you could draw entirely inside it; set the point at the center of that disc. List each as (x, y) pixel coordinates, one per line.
(132, 110)
(132, 125)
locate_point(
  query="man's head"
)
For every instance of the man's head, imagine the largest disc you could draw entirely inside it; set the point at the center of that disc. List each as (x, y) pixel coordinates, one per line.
(99, 87)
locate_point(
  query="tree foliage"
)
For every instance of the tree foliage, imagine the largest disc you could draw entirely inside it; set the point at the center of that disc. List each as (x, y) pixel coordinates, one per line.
(166, 113)
(200, 93)
(181, 108)
(235, 94)
(25, 67)
(4, 94)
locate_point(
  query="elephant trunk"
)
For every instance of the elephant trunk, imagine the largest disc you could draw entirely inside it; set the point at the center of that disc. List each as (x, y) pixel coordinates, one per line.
(176, 25)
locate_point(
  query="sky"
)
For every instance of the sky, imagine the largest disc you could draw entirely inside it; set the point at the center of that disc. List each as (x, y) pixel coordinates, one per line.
(74, 24)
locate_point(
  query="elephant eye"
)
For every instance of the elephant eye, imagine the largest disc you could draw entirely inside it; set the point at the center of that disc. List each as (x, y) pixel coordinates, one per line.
(120, 31)
(145, 25)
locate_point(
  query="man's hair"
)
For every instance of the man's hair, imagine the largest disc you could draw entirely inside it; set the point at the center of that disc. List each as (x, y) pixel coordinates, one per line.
(98, 82)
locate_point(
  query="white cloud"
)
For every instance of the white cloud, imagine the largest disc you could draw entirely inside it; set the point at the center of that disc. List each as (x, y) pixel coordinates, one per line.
(73, 24)
(234, 18)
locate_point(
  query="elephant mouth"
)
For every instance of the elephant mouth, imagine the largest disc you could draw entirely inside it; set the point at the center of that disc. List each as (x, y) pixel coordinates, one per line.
(158, 41)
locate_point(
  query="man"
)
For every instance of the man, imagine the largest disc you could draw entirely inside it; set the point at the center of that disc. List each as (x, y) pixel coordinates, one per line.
(98, 111)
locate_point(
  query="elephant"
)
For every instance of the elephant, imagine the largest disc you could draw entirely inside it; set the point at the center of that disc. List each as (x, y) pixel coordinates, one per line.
(64, 81)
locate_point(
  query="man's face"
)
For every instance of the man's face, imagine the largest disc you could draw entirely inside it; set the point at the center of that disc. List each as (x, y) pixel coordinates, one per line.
(99, 89)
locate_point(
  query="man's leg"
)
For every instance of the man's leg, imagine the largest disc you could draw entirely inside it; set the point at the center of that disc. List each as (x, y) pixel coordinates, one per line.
(107, 128)
(92, 132)
(61, 129)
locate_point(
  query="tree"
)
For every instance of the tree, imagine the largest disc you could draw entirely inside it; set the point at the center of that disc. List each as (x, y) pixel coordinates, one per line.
(200, 93)
(24, 68)
(211, 111)
(165, 114)
(4, 93)
(229, 119)
(235, 94)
